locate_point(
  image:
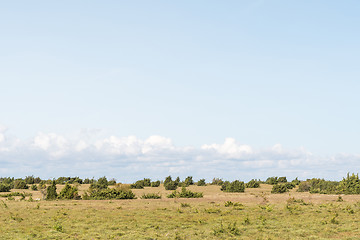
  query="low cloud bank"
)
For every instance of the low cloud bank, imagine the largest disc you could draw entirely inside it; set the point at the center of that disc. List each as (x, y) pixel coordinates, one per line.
(129, 158)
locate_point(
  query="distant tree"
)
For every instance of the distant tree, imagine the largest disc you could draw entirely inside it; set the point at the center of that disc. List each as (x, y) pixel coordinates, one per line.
(101, 183)
(217, 181)
(235, 186)
(155, 184)
(188, 181)
(51, 193)
(20, 184)
(69, 192)
(201, 182)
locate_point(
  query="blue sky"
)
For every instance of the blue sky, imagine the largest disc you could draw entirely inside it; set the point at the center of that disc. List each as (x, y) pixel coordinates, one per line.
(177, 76)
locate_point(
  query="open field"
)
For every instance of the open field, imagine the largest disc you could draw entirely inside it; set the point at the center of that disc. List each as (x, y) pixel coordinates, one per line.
(255, 214)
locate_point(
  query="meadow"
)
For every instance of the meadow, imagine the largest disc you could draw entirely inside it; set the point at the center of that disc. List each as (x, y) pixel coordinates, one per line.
(254, 214)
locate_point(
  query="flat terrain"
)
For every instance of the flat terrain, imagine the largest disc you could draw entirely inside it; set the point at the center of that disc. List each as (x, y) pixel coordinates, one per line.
(255, 214)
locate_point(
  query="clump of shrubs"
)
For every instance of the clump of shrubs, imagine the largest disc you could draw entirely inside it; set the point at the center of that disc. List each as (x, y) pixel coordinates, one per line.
(279, 188)
(169, 184)
(201, 182)
(20, 184)
(184, 193)
(100, 191)
(276, 180)
(109, 193)
(140, 184)
(51, 193)
(235, 186)
(217, 181)
(4, 187)
(101, 183)
(34, 187)
(69, 192)
(151, 196)
(155, 184)
(253, 184)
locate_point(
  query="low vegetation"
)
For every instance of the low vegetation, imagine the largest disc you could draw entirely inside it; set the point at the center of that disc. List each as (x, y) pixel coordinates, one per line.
(184, 193)
(235, 186)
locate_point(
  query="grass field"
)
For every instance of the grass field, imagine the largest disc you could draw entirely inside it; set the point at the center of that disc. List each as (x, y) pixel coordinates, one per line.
(255, 214)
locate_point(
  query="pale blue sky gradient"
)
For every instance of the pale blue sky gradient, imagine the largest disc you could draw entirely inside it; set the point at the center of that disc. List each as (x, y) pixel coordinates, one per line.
(197, 72)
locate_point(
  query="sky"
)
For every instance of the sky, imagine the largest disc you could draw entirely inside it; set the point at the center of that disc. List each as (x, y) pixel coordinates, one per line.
(134, 89)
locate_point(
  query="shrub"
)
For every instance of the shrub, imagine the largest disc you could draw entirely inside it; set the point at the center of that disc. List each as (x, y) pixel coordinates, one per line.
(169, 184)
(279, 188)
(167, 179)
(113, 193)
(69, 192)
(201, 182)
(272, 180)
(34, 187)
(4, 187)
(317, 185)
(30, 180)
(185, 194)
(20, 184)
(155, 184)
(304, 187)
(282, 180)
(217, 181)
(101, 183)
(177, 180)
(138, 184)
(151, 196)
(147, 182)
(296, 181)
(51, 193)
(235, 186)
(252, 184)
(112, 182)
(350, 184)
(188, 181)
(289, 185)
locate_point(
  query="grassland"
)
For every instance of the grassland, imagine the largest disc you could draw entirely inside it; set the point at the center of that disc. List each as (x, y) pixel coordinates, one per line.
(255, 214)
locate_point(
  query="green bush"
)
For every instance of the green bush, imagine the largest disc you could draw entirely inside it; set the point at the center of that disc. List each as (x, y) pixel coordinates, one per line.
(217, 181)
(322, 186)
(138, 184)
(350, 184)
(155, 184)
(34, 187)
(69, 192)
(252, 184)
(29, 179)
(4, 187)
(290, 185)
(201, 182)
(20, 184)
(188, 181)
(282, 180)
(235, 186)
(185, 194)
(103, 194)
(304, 187)
(151, 196)
(147, 182)
(296, 181)
(51, 193)
(101, 183)
(169, 184)
(279, 188)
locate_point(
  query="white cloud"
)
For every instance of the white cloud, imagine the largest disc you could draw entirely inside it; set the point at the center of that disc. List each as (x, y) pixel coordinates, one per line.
(130, 158)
